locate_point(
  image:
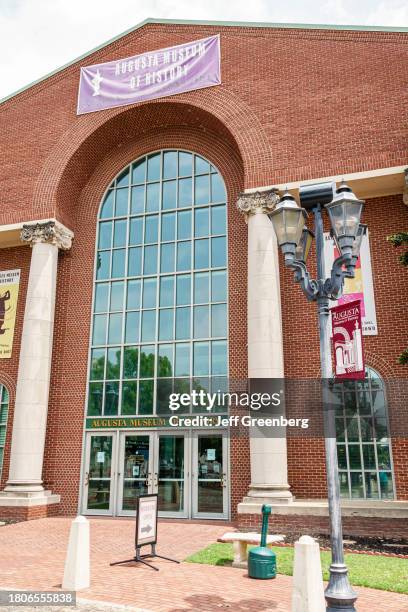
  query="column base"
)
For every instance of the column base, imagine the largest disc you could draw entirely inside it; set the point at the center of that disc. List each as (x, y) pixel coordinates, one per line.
(259, 494)
(27, 505)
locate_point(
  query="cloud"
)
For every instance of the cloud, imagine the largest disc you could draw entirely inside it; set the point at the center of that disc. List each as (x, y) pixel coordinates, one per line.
(39, 36)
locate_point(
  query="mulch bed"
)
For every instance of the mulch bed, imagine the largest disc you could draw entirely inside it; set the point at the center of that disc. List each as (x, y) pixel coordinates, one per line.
(359, 545)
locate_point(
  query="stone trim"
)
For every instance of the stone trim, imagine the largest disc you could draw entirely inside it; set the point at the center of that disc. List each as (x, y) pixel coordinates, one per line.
(257, 202)
(50, 232)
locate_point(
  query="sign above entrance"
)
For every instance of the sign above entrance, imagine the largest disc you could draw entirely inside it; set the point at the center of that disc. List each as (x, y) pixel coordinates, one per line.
(149, 76)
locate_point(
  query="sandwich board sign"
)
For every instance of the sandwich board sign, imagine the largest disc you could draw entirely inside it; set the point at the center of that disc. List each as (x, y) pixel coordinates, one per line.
(146, 520)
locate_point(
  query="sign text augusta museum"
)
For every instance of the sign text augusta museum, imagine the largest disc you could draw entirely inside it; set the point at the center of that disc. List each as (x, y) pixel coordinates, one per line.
(138, 263)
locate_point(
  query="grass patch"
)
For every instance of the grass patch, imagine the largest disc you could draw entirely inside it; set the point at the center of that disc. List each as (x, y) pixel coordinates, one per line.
(374, 571)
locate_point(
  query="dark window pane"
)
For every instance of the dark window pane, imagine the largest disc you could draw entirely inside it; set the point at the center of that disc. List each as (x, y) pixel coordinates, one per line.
(146, 361)
(139, 171)
(183, 292)
(153, 167)
(341, 456)
(386, 485)
(118, 263)
(167, 257)
(137, 201)
(105, 235)
(153, 197)
(169, 164)
(132, 327)
(369, 457)
(135, 261)
(121, 202)
(130, 359)
(145, 397)
(384, 459)
(184, 224)
(185, 194)
(167, 291)
(371, 484)
(164, 390)
(97, 364)
(169, 195)
(168, 227)
(111, 398)
(101, 297)
(136, 231)
(357, 486)
(95, 399)
(150, 260)
(354, 456)
(113, 363)
(129, 393)
(165, 365)
(133, 295)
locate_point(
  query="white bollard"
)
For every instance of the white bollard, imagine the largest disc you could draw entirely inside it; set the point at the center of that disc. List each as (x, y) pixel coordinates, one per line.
(308, 592)
(77, 562)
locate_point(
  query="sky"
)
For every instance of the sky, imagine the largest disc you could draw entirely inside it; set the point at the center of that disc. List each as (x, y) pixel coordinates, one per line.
(38, 36)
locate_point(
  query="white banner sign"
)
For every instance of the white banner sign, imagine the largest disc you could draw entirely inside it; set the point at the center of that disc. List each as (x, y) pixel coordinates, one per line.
(358, 288)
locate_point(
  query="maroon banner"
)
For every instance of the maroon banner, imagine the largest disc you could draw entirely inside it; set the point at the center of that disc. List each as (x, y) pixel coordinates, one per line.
(348, 341)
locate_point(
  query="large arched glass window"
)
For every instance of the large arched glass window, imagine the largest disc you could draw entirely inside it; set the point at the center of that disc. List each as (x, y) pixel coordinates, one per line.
(160, 301)
(363, 443)
(4, 404)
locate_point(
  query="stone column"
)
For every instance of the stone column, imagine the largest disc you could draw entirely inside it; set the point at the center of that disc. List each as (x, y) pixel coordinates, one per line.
(269, 473)
(33, 381)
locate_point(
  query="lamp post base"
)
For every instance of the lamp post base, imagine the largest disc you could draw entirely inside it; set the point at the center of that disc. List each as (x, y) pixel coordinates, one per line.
(339, 594)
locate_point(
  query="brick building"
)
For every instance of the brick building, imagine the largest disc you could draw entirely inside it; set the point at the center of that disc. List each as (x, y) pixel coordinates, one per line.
(144, 275)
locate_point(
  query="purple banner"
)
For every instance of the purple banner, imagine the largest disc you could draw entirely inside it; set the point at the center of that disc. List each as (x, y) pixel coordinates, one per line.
(152, 75)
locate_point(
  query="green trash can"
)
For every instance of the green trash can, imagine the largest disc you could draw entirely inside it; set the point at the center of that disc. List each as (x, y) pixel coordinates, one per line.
(262, 560)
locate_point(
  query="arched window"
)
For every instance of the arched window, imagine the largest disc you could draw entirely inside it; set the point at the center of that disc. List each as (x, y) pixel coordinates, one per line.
(363, 443)
(4, 404)
(160, 300)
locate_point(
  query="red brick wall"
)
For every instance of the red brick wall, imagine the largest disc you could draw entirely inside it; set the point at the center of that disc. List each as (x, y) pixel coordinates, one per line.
(293, 105)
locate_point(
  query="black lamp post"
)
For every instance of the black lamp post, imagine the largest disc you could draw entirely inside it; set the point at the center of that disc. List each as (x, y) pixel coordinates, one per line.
(288, 219)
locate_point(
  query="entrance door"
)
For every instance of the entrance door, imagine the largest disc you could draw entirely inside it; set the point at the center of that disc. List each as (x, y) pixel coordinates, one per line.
(210, 485)
(135, 465)
(171, 475)
(99, 482)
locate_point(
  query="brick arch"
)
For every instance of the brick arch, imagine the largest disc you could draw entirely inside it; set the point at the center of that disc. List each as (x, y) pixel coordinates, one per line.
(93, 136)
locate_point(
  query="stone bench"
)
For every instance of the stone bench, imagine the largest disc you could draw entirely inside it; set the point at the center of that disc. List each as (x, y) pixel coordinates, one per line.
(241, 541)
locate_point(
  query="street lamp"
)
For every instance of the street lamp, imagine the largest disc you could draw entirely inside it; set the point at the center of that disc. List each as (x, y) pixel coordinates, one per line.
(288, 219)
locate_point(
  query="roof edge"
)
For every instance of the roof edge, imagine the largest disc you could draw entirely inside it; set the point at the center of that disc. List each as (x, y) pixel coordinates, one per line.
(248, 24)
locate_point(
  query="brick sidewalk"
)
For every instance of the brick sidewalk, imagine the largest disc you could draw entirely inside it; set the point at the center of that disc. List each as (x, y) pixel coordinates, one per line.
(32, 556)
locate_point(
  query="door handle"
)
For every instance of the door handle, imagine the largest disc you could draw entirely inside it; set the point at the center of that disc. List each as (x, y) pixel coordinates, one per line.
(224, 480)
(86, 481)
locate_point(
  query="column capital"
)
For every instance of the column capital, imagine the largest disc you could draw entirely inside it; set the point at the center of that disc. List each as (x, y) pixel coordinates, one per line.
(257, 201)
(50, 232)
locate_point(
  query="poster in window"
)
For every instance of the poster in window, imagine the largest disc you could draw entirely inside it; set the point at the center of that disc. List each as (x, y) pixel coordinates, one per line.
(9, 286)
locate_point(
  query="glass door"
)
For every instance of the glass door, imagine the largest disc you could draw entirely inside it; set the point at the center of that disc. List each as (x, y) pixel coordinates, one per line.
(99, 475)
(171, 475)
(210, 480)
(135, 475)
